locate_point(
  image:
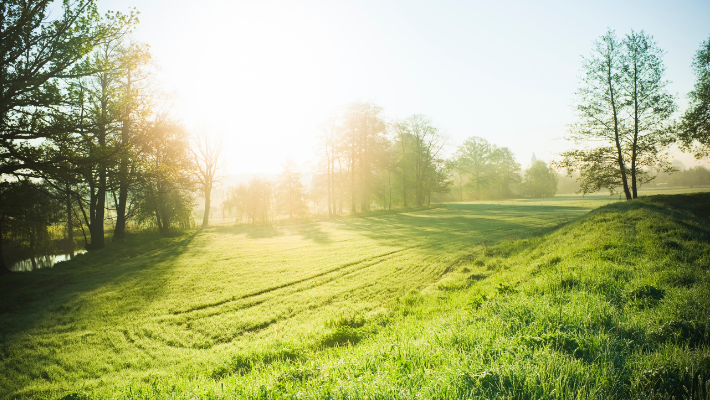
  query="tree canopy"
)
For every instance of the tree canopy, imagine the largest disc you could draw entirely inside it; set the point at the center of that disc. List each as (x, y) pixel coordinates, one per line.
(623, 129)
(695, 126)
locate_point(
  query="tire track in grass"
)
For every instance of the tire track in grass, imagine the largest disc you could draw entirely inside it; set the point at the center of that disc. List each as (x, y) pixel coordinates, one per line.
(284, 285)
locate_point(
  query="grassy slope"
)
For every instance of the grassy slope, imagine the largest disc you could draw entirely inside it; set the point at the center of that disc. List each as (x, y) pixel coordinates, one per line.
(160, 307)
(614, 305)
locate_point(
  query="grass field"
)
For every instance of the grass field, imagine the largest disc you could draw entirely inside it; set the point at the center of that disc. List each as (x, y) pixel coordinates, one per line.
(525, 299)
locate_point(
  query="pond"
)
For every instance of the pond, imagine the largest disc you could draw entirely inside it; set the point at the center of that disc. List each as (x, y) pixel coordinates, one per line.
(46, 261)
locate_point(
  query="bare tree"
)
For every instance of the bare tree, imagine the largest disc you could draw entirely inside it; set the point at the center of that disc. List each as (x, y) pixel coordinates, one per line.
(207, 159)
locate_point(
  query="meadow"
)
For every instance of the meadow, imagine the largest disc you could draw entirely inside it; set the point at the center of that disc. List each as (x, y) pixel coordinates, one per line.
(517, 299)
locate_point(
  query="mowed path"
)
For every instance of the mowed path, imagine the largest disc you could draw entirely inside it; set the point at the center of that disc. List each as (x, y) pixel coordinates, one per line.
(191, 301)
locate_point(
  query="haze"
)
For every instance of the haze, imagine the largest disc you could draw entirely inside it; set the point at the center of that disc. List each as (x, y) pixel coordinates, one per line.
(268, 73)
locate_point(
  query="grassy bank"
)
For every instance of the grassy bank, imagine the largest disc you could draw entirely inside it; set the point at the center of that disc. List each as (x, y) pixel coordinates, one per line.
(613, 304)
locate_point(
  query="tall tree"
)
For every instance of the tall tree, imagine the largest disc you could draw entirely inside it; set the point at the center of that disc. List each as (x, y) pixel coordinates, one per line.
(540, 180)
(623, 111)
(36, 54)
(132, 68)
(651, 106)
(362, 130)
(166, 184)
(474, 157)
(427, 143)
(207, 161)
(290, 194)
(695, 126)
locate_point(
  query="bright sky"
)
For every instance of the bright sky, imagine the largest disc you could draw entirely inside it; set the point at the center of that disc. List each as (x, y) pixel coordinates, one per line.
(267, 73)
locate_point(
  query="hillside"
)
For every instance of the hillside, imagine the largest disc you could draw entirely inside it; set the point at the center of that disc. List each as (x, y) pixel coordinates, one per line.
(614, 304)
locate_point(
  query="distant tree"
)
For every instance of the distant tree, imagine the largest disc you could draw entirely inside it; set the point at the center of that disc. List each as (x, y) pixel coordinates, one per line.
(695, 126)
(206, 157)
(362, 131)
(506, 171)
(402, 131)
(474, 157)
(540, 181)
(427, 144)
(623, 114)
(166, 187)
(259, 201)
(290, 193)
(235, 203)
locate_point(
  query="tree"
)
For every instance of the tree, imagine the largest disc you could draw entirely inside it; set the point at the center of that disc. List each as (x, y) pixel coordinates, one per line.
(290, 194)
(623, 116)
(427, 144)
(133, 65)
(474, 157)
(166, 184)
(540, 181)
(206, 158)
(695, 126)
(651, 106)
(506, 171)
(36, 54)
(362, 131)
(259, 201)
(26, 211)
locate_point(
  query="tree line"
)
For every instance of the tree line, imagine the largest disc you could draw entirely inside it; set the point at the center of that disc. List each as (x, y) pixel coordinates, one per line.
(86, 137)
(85, 134)
(366, 161)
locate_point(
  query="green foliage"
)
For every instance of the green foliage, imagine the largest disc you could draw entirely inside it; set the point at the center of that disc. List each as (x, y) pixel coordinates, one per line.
(540, 181)
(290, 194)
(485, 168)
(623, 129)
(695, 126)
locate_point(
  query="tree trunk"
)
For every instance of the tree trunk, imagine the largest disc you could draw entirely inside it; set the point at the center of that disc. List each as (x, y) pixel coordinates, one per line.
(329, 175)
(70, 224)
(4, 268)
(352, 184)
(97, 231)
(119, 232)
(617, 139)
(206, 215)
(636, 135)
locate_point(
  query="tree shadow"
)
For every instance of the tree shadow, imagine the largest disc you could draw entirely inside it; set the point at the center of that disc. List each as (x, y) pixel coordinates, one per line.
(40, 300)
(250, 231)
(475, 222)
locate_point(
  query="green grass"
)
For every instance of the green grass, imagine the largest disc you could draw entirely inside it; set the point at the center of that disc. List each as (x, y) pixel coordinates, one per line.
(518, 299)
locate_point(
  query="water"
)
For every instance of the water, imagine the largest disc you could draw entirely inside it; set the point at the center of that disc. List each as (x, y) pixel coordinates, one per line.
(42, 261)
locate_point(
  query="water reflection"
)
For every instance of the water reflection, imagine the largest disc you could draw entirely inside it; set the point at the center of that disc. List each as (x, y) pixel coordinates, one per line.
(43, 261)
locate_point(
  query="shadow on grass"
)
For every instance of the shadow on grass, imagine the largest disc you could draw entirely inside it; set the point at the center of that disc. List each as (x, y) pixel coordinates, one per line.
(478, 222)
(28, 299)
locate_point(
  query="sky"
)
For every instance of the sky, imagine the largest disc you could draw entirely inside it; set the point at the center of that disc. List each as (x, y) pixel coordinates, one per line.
(267, 74)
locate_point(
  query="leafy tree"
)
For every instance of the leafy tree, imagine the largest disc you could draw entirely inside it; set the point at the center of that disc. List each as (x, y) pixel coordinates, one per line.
(26, 211)
(362, 130)
(695, 126)
(134, 108)
(36, 55)
(166, 186)
(623, 114)
(506, 171)
(290, 194)
(540, 181)
(474, 157)
(259, 201)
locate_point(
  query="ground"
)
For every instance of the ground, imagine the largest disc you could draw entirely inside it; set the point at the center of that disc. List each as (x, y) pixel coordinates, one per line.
(319, 308)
